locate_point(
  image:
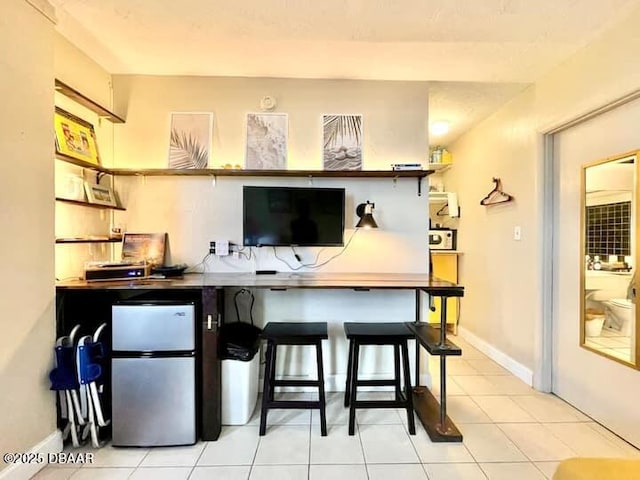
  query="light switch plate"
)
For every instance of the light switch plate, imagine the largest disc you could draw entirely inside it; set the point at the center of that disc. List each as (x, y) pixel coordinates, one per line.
(517, 233)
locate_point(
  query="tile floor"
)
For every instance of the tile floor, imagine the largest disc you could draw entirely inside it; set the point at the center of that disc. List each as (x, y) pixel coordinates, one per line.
(612, 342)
(510, 432)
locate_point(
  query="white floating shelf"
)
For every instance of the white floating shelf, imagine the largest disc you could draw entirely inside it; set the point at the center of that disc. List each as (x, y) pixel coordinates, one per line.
(438, 167)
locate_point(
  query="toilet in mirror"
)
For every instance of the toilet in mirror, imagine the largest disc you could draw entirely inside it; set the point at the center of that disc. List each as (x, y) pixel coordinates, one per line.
(609, 253)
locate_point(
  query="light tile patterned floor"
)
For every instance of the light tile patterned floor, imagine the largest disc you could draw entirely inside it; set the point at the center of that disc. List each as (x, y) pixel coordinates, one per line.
(510, 432)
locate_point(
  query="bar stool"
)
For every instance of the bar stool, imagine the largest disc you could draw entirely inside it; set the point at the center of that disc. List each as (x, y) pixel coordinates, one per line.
(292, 333)
(363, 333)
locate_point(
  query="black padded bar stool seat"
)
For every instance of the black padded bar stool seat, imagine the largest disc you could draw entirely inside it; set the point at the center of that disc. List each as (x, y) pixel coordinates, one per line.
(293, 333)
(395, 334)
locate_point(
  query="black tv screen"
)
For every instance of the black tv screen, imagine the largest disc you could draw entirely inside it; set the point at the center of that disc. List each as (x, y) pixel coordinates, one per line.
(277, 216)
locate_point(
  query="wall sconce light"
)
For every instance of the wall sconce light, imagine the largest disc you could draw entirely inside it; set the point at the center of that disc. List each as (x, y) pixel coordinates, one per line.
(365, 212)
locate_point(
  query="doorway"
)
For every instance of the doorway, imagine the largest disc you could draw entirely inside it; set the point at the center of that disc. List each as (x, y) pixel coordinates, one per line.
(603, 388)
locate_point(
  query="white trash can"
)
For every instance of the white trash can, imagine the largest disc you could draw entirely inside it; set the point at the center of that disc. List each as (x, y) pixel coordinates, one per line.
(239, 390)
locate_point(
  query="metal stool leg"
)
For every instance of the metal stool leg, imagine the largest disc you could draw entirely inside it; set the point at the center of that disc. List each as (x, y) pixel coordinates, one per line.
(347, 387)
(323, 414)
(354, 389)
(266, 389)
(407, 388)
(396, 364)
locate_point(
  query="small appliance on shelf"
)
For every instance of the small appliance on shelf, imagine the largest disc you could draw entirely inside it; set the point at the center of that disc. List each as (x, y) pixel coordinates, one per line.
(104, 271)
(406, 166)
(443, 239)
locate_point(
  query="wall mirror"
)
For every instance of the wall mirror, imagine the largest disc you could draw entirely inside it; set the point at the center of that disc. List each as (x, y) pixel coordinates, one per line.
(609, 258)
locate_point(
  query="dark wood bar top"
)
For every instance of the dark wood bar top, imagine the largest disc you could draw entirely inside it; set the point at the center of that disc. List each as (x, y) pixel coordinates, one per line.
(283, 280)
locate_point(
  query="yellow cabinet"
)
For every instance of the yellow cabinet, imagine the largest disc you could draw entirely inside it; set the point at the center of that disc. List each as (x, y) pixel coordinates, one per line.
(445, 266)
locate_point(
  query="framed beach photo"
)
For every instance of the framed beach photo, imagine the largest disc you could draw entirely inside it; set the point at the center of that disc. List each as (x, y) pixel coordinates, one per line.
(75, 137)
(100, 195)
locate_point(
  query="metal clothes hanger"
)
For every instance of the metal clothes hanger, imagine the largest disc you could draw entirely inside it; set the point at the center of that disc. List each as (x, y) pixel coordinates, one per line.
(496, 195)
(444, 210)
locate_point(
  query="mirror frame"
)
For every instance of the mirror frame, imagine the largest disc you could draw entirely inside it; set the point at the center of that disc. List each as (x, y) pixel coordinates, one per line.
(636, 256)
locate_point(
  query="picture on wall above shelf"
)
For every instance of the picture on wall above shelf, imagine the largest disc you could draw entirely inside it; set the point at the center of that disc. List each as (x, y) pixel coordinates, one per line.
(190, 140)
(342, 142)
(266, 141)
(75, 137)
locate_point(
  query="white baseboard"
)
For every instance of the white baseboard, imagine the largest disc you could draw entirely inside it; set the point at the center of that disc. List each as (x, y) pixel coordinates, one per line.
(24, 471)
(523, 373)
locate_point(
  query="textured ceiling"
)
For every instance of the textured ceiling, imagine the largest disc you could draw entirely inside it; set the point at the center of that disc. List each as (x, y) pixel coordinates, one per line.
(502, 42)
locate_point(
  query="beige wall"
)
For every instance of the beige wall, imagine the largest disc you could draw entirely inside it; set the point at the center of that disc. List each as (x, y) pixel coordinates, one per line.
(27, 409)
(194, 211)
(503, 280)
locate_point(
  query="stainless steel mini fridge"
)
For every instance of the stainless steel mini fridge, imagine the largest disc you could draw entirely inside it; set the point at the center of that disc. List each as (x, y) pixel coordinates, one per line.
(153, 374)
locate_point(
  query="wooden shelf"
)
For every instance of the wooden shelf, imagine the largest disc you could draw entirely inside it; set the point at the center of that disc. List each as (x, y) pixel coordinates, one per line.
(429, 338)
(87, 204)
(82, 163)
(160, 172)
(428, 410)
(222, 172)
(98, 109)
(88, 240)
(439, 167)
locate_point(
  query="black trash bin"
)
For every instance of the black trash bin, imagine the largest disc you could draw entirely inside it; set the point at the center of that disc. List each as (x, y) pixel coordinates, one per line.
(239, 344)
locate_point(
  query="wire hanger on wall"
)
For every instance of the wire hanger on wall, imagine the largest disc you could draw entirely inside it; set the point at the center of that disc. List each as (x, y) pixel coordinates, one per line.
(444, 210)
(496, 195)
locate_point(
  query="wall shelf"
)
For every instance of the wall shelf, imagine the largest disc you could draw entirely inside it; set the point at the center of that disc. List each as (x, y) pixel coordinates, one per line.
(222, 172)
(82, 163)
(439, 167)
(87, 204)
(158, 172)
(79, 98)
(88, 240)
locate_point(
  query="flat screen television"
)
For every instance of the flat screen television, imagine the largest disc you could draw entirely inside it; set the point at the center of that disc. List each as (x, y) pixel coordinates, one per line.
(282, 216)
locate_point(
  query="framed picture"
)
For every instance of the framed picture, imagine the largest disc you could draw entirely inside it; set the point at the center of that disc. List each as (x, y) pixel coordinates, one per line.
(342, 142)
(75, 137)
(144, 247)
(100, 195)
(266, 141)
(190, 139)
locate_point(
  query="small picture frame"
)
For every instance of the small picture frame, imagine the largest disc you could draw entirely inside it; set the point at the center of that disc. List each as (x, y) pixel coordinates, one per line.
(75, 137)
(99, 194)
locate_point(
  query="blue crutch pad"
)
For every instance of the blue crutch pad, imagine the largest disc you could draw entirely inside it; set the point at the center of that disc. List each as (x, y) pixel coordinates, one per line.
(88, 357)
(63, 377)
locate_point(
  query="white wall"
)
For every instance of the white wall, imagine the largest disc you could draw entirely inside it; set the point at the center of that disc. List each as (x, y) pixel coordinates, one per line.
(27, 303)
(503, 277)
(194, 211)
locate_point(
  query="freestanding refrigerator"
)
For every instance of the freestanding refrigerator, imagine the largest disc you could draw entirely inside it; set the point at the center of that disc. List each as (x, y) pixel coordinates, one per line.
(153, 374)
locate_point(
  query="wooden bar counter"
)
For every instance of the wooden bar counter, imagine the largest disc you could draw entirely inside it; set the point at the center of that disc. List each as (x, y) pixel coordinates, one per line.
(89, 304)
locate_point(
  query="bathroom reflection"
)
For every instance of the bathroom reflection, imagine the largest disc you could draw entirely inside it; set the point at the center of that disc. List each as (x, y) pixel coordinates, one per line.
(609, 231)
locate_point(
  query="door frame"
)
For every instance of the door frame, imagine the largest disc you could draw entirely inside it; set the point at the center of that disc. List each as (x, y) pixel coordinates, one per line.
(543, 356)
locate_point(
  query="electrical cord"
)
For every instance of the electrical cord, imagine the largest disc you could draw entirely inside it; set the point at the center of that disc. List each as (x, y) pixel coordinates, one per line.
(242, 253)
(315, 263)
(203, 262)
